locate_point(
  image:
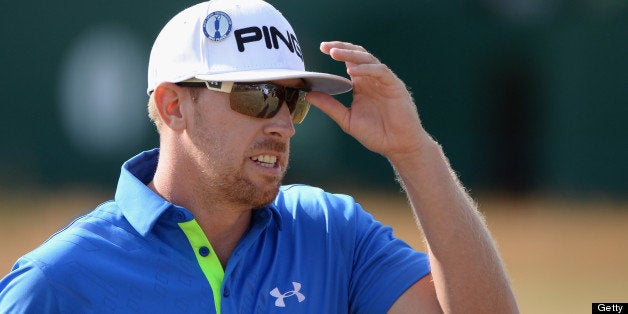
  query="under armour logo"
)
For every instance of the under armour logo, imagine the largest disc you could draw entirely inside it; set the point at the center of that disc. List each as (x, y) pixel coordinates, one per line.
(280, 296)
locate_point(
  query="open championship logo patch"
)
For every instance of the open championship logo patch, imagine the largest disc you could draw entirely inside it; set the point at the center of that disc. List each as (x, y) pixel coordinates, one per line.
(217, 26)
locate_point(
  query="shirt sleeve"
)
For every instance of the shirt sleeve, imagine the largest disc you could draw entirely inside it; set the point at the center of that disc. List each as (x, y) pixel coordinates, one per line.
(384, 266)
(26, 290)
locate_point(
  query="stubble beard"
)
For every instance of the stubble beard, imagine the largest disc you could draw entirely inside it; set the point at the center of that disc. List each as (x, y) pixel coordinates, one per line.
(241, 189)
(227, 182)
(230, 185)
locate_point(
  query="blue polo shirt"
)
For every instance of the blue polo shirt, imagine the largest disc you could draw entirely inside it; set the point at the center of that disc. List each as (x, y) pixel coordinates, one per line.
(308, 252)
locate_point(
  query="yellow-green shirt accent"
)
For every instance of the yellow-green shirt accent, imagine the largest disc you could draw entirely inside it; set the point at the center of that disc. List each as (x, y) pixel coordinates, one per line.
(206, 257)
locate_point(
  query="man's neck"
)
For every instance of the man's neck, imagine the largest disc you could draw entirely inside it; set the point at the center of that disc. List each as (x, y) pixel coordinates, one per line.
(223, 224)
(224, 230)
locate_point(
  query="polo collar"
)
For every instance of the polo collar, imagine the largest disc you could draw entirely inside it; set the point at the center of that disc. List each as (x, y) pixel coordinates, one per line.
(140, 205)
(267, 215)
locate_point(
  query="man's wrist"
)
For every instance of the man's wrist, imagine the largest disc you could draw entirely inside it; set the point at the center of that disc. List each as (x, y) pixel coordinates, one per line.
(424, 147)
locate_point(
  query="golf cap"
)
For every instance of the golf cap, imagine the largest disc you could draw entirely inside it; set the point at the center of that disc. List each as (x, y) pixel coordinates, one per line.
(233, 41)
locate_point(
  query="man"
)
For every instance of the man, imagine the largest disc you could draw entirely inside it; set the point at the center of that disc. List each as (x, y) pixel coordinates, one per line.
(204, 225)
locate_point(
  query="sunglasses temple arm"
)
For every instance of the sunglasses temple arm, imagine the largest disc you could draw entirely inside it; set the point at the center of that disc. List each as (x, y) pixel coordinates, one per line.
(224, 87)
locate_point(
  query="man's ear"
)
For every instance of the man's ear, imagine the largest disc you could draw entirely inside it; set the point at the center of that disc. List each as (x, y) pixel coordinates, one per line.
(168, 101)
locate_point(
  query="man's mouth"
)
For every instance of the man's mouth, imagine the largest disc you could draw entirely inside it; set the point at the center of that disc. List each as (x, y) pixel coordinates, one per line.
(268, 161)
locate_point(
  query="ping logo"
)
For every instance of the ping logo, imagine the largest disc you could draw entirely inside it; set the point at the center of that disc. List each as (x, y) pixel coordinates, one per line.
(217, 26)
(281, 296)
(270, 35)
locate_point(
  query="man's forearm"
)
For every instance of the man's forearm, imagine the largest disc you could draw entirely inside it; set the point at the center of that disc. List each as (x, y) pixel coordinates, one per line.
(468, 273)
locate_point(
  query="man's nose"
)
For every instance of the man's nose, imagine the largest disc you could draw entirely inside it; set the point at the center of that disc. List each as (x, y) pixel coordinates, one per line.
(281, 124)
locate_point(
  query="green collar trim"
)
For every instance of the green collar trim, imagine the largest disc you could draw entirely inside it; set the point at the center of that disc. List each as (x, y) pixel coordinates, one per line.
(206, 257)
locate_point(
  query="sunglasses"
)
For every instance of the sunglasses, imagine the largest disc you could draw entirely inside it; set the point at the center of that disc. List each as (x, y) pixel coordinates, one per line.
(260, 100)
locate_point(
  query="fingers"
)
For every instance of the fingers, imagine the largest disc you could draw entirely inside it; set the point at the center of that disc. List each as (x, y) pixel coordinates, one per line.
(347, 52)
(379, 71)
(326, 46)
(358, 60)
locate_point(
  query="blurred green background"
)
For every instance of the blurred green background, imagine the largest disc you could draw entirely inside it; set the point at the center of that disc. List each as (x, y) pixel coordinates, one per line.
(525, 95)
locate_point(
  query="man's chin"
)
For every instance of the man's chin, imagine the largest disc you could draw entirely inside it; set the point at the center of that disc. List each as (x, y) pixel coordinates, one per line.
(256, 192)
(266, 196)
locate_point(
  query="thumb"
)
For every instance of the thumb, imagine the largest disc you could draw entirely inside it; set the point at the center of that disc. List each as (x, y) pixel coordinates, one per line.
(330, 106)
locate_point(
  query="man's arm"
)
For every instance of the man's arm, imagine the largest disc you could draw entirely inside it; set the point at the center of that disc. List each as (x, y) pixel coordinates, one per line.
(468, 275)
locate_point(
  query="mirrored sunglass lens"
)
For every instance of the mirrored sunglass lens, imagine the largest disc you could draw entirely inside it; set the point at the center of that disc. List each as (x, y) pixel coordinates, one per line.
(254, 103)
(291, 97)
(265, 100)
(301, 108)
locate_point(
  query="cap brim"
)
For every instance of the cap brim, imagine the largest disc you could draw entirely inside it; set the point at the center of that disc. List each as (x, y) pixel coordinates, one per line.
(322, 82)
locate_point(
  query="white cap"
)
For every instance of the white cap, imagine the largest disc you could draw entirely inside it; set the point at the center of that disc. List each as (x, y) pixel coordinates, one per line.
(233, 41)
